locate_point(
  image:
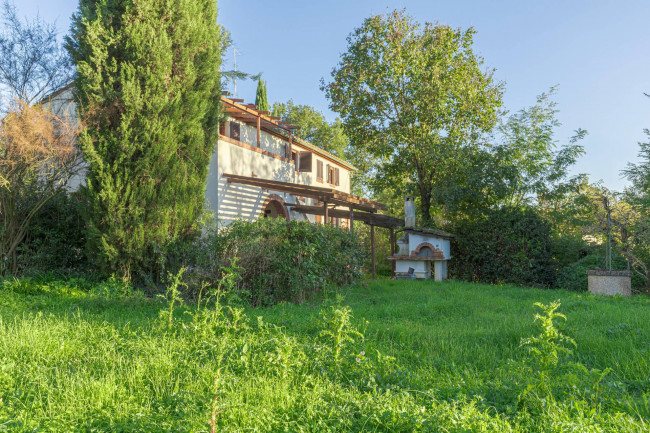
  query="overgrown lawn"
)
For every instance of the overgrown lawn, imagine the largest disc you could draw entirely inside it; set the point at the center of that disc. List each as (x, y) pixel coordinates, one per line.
(388, 356)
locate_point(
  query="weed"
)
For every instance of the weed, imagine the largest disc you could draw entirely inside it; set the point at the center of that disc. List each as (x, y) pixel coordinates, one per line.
(551, 373)
(338, 331)
(428, 359)
(173, 296)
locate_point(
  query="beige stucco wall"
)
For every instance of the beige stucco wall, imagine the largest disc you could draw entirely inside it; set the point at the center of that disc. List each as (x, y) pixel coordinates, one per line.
(276, 145)
(229, 201)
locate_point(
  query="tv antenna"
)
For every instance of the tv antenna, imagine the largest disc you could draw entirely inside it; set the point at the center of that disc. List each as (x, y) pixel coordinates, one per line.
(234, 51)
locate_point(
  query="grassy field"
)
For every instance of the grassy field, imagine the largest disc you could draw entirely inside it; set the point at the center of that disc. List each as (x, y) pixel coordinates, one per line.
(389, 356)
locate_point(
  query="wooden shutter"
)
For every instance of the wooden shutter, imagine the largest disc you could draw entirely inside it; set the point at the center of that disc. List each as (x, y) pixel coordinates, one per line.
(319, 169)
(235, 131)
(305, 161)
(329, 174)
(336, 176)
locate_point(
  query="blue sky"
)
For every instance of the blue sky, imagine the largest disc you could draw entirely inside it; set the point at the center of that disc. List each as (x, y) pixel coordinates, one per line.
(598, 52)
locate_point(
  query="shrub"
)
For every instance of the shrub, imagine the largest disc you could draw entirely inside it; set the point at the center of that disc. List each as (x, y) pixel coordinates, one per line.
(574, 276)
(508, 245)
(56, 238)
(278, 260)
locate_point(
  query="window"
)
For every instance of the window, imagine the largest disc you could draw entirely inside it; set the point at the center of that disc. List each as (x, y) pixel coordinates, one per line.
(294, 158)
(330, 174)
(235, 131)
(336, 176)
(305, 162)
(319, 169)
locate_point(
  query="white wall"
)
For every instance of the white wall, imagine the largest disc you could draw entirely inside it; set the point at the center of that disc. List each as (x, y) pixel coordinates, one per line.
(416, 239)
(63, 106)
(229, 201)
(273, 144)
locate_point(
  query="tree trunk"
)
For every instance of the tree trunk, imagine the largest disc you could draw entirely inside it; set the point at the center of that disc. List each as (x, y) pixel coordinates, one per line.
(425, 205)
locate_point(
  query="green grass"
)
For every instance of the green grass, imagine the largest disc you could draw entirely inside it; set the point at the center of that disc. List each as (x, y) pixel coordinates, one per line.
(435, 357)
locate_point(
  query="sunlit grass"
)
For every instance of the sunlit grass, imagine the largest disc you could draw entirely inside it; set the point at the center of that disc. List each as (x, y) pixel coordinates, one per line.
(71, 361)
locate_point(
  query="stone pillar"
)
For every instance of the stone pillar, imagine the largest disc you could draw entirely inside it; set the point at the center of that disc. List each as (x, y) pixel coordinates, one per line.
(438, 270)
(443, 270)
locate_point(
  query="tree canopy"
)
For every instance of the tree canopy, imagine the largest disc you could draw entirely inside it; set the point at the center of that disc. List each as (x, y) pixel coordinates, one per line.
(261, 100)
(148, 82)
(416, 99)
(32, 62)
(37, 152)
(314, 128)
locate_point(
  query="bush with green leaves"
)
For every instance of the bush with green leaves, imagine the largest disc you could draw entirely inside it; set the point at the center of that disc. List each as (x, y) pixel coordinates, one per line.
(574, 276)
(506, 245)
(279, 260)
(56, 238)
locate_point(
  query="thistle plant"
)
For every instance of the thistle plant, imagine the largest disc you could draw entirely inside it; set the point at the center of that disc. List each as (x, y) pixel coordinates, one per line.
(546, 347)
(173, 295)
(339, 331)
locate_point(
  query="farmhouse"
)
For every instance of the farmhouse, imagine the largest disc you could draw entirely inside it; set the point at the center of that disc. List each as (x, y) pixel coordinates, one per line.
(259, 169)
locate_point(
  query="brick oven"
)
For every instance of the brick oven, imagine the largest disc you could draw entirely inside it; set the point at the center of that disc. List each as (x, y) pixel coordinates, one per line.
(423, 252)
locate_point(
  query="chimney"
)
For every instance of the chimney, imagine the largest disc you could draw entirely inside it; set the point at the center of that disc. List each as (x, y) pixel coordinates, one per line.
(409, 211)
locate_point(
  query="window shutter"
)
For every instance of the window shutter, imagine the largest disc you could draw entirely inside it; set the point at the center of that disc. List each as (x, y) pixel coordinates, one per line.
(329, 174)
(234, 131)
(336, 176)
(305, 161)
(319, 169)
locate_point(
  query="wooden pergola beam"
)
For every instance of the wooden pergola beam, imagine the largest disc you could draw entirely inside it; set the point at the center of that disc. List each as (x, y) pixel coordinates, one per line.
(331, 195)
(385, 221)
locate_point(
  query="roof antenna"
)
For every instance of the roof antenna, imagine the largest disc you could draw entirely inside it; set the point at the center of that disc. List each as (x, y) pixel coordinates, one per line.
(234, 50)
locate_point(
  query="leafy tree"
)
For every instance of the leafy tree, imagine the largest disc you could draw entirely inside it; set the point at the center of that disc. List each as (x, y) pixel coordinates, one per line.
(639, 176)
(37, 159)
(314, 128)
(148, 80)
(415, 98)
(37, 152)
(32, 62)
(261, 99)
(633, 223)
(532, 165)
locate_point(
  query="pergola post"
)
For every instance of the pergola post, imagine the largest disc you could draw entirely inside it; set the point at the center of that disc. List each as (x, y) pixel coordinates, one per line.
(325, 212)
(259, 129)
(290, 143)
(351, 219)
(372, 250)
(392, 252)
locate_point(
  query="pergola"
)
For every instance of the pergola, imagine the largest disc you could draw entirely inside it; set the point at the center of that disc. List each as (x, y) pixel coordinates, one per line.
(248, 113)
(358, 208)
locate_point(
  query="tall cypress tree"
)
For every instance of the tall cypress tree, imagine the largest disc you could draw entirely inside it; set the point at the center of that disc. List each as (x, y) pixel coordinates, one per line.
(261, 100)
(148, 90)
